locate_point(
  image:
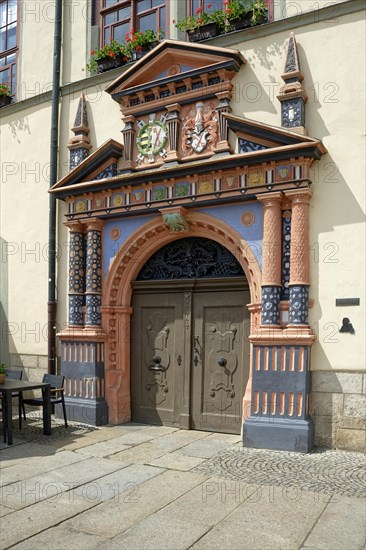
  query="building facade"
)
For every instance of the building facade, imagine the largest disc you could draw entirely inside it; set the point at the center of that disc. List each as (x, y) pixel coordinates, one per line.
(210, 270)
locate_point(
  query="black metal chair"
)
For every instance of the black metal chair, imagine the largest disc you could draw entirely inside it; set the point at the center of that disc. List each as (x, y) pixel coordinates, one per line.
(13, 374)
(56, 383)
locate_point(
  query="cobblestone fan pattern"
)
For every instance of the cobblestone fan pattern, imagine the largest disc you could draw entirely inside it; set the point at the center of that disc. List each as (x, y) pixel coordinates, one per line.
(32, 429)
(326, 471)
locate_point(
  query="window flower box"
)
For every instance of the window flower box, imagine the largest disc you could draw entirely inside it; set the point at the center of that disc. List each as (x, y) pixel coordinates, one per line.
(203, 32)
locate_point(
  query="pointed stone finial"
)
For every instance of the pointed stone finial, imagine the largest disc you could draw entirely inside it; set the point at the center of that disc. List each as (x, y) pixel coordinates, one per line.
(292, 95)
(79, 145)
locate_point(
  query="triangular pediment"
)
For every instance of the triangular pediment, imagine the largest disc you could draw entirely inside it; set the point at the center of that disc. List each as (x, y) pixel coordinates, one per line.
(101, 164)
(172, 62)
(257, 136)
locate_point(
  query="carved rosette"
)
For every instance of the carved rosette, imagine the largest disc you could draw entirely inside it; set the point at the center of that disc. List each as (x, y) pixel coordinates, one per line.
(76, 274)
(299, 256)
(93, 288)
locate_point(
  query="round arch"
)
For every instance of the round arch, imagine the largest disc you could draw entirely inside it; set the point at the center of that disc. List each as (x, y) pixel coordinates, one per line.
(117, 293)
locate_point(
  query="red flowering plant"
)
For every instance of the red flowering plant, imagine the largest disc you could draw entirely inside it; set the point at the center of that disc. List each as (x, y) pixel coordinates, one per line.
(201, 17)
(237, 9)
(138, 40)
(5, 90)
(113, 51)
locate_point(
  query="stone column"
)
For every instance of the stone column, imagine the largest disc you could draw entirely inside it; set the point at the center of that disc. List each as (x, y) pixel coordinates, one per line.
(173, 125)
(76, 274)
(299, 256)
(271, 257)
(223, 107)
(93, 287)
(129, 138)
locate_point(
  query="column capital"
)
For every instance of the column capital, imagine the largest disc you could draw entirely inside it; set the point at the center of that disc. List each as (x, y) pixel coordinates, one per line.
(299, 196)
(129, 118)
(93, 224)
(173, 107)
(271, 199)
(75, 226)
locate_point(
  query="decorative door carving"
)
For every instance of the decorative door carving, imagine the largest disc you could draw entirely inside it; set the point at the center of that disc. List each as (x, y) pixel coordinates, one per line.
(190, 357)
(221, 360)
(155, 352)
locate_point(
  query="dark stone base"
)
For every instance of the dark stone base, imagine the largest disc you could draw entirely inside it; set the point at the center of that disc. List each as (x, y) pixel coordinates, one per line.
(279, 434)
(94, 413)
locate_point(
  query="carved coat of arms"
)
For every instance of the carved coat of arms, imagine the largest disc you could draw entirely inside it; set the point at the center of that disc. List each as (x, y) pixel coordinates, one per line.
(200, 128)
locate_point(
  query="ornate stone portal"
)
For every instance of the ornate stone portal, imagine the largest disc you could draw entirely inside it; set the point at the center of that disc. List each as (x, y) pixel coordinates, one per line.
(177, 165)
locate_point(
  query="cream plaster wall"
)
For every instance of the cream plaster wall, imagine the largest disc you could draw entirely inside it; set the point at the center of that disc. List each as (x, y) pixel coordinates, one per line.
(24, 225)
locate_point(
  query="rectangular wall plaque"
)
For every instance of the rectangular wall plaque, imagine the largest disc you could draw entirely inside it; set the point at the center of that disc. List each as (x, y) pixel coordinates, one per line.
(347, 301)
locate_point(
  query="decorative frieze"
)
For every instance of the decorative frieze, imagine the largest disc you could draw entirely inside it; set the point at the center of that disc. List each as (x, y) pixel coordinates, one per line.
(213, 186)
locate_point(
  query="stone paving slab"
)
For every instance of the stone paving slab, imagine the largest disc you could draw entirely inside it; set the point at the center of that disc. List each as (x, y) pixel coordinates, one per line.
(25, 492)
(204, 448)
(37, 465)
(116, 515)
(103, 448)
(157, 533)
(60, 538)
(341, 526)
(33, 519)
(5, 510)
(112, 485)
(140, 454)
(175, 461)
(24, 452)
(206, 502)
(270, 518)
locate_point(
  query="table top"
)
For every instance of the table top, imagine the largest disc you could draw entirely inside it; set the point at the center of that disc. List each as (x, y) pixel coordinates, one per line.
(21, 385)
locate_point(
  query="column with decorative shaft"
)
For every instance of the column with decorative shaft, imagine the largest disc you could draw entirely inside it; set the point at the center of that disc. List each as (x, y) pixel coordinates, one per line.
(76, 274)
(299, 256)
(271, 257)
(93, 287)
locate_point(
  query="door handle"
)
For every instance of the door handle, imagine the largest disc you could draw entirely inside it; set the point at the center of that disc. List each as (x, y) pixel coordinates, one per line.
(179, 360)
(196, 343)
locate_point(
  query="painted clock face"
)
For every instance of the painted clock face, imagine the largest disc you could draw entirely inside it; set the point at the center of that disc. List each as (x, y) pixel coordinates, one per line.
(152, 138)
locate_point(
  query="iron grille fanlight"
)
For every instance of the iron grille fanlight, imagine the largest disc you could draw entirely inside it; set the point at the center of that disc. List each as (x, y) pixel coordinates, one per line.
(192, 257)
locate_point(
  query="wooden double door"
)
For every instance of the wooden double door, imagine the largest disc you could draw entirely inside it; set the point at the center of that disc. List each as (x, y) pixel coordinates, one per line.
(190, 354)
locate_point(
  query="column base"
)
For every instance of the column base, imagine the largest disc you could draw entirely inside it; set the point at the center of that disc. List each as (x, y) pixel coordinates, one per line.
(94, 413)
(279, 434)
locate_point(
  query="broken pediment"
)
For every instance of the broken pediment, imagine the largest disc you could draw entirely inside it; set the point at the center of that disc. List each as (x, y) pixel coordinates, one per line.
(99, 165)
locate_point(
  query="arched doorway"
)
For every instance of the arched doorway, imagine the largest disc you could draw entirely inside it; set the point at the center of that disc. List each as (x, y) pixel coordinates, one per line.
(189, 347)
(117, 298)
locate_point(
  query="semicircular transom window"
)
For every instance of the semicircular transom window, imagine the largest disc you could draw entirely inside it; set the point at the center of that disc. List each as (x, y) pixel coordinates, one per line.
(191, 258)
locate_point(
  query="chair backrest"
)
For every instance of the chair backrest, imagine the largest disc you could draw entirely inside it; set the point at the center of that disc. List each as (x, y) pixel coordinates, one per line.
(13, 374)
(54, 380)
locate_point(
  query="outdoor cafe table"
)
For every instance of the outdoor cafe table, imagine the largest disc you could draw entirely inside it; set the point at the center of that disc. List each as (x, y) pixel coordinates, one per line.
(15, 386)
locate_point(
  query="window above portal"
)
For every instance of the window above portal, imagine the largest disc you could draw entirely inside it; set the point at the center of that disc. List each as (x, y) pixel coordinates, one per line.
(117, 18)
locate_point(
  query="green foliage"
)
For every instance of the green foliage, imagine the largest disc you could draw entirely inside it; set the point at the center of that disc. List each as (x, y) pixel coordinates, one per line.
(2, 368)
(5, 90)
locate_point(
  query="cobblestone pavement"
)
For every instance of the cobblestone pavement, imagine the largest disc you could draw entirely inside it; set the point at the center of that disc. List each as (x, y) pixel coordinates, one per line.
(324, 470)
